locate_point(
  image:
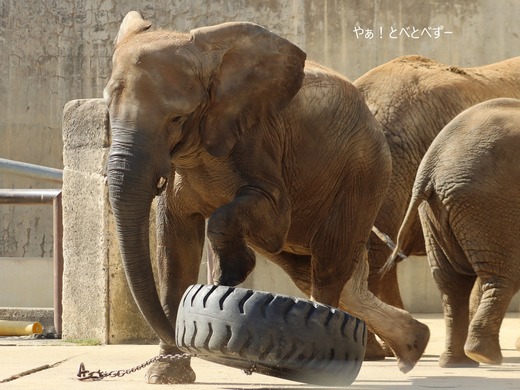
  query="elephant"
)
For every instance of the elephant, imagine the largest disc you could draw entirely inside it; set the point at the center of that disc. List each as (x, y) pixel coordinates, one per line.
(466, 197)
(413, 98)
(231, 126)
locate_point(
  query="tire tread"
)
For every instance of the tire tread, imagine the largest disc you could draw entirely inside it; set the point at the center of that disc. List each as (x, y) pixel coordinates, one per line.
(288, 337)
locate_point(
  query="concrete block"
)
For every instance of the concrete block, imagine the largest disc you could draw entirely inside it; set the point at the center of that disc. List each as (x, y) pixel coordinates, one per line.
(86, 135)
(96, 301)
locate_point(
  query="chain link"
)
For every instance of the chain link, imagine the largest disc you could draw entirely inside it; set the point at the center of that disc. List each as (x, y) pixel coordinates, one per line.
(250, 370)
(86, 375)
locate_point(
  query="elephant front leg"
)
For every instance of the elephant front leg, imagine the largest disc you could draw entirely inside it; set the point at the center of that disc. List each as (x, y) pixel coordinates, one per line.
(180, 241)
(254, 215)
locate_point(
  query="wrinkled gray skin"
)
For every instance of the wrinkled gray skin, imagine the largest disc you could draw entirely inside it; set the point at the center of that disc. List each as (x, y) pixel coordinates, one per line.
(229, 123)
(413, 98)
(466, 195)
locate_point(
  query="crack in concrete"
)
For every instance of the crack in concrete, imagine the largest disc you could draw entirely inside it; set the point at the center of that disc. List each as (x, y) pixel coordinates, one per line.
(32, 371)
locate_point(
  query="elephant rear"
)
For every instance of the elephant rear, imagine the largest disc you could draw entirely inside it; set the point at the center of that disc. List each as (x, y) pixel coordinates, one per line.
(477, 179)
(470, 180)
(458, 161)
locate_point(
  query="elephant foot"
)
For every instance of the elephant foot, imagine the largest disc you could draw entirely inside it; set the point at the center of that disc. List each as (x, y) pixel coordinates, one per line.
(410, 349)
(374, 350)
(452, 361)
(169, 373)
(484, 351)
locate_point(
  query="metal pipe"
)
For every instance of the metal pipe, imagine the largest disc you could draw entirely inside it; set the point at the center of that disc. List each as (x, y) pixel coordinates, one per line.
(41, 196)
(31, 170)
(58, 262)
(28, 196)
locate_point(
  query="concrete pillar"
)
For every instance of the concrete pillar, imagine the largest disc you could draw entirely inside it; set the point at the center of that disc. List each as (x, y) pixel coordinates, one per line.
(97, 304)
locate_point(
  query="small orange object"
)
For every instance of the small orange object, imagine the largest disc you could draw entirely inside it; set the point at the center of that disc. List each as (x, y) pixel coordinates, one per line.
(19, 328)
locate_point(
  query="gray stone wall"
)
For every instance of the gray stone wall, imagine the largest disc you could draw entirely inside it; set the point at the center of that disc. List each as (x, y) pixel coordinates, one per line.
(52, 52)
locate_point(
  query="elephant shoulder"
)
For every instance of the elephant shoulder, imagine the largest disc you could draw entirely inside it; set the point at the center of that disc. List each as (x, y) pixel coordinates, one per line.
(327, 84)
(316, 73)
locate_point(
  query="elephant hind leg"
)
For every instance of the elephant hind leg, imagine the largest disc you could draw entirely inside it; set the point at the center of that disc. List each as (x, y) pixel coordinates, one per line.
(454, 286)
(386, 288)
(376, 350)
(298, 267)
(498, 275)
(483, 343)
(406, 336)
(391, 295)
(456, 318)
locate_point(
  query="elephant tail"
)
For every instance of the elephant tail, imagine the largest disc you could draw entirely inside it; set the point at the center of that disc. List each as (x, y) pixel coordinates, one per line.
(421, 192)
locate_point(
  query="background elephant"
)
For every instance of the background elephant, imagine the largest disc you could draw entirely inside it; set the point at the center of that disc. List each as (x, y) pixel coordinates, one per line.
(466, 194)
(414, 98)
(229, 123)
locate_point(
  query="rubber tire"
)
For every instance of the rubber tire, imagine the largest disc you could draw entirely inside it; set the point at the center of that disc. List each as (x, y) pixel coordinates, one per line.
(278, 335)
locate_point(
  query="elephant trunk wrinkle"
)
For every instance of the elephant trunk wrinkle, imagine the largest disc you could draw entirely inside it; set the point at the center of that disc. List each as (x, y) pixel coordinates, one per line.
(131, 192)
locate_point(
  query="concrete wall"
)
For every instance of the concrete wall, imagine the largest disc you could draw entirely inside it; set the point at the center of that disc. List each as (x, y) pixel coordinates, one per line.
(26, 282)
(50, 55)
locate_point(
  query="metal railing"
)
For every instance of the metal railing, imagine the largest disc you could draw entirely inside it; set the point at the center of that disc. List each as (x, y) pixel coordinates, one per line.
(31, 170)
(41, 196)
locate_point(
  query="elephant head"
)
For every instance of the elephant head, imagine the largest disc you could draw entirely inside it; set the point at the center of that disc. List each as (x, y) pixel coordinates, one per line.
(173, 97)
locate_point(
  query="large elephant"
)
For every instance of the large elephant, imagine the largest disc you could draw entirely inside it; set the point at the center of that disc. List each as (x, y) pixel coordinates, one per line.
(413, 98)
(466, 194)
(229, 123)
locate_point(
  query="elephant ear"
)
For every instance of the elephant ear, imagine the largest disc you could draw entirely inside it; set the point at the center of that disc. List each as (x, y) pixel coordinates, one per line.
(132, 23)
(255, 73)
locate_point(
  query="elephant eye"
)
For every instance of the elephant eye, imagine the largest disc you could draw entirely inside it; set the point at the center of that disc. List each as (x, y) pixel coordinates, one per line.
(175, 119)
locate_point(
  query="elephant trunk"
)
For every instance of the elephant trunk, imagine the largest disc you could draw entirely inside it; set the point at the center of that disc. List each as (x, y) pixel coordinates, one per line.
(131, 190)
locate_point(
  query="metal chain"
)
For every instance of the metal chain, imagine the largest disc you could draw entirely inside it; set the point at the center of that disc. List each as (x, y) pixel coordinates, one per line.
(250, 370)
(86, 375)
